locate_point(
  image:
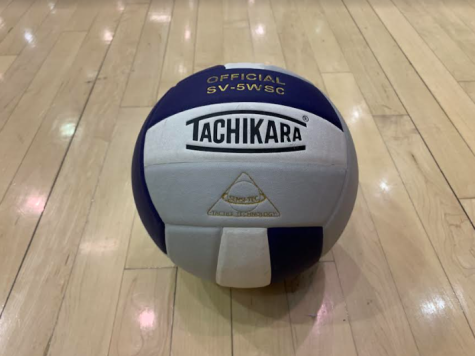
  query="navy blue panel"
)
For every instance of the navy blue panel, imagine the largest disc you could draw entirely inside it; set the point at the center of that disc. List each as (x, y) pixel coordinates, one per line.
(192, 92)
(293, 250)
(147, 212)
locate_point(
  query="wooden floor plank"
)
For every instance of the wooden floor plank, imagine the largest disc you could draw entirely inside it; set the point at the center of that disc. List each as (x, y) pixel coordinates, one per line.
(428, 298)
(298, 53)
(143, 253)
(444, 220)
(444, 14)
(202, 318)
(376, 88)
(89, 305)
(28, 62)
(26, 198)
(264, 33)
(444, 87)
(469, 206)
(144, 80)
(261, 324)
(378, 322)
(237, 32)
(15, 140)
(464, 10)
(4, 4)
(377, 318)
(446, 144)
(325, 47)
(12, 13)
(43, 279)
(5, 63)
(20, 129)
(24, 31)
(445, 48)
(318, 314)
(209, 53)
(469, 88)
(143, 324)
(328, 257)
(180, 52)
(86, 14)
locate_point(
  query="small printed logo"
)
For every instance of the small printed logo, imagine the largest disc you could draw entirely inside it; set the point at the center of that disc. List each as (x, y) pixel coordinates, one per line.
(244, 198)
(247, 131)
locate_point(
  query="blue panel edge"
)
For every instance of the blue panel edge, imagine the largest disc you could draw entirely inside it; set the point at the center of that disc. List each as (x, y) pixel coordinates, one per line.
(293, 250)
(148, 214)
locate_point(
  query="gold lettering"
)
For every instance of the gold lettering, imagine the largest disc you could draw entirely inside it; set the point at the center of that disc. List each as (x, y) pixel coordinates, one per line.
(269, 79)
(213, 79)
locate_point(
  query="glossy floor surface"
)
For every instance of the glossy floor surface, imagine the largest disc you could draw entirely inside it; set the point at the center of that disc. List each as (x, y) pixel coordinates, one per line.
(79, 275)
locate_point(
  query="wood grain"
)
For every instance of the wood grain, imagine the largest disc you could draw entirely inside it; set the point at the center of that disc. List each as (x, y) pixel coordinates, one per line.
(25, 200)
(236, 32)
(444, 220)
(26, 65)
(444, 46)
(209, 25)
(264, 33)
(144, 79)
(90, 302)
(469, 206)
(23, 33)
(143, 324)
(405, 242)
(318, 314)
(20, 129)
(469, 88)
(261, 324)
(296, 48)
(43, 279)
(444, 87)
(325, 47)
(202, 320)
(374, 85)
(443, 139)
(180, 54)
(378, 322)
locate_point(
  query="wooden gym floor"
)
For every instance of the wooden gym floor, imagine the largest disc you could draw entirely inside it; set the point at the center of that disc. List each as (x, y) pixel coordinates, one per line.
(80, 277)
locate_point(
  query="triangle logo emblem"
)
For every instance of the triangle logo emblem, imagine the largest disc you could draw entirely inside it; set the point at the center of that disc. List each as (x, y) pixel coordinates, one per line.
(245, 199)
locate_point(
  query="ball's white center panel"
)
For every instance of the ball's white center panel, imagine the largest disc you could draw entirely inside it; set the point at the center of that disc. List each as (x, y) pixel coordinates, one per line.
(244, 259)
(250, 132)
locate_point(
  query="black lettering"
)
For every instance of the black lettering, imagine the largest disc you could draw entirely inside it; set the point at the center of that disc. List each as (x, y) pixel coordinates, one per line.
(244, 130)
(297, 136)
(195, 130)
(206, 132)
(216, 138)
(284, 132)
(232, 131)
(255, 133)
(271, 133)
